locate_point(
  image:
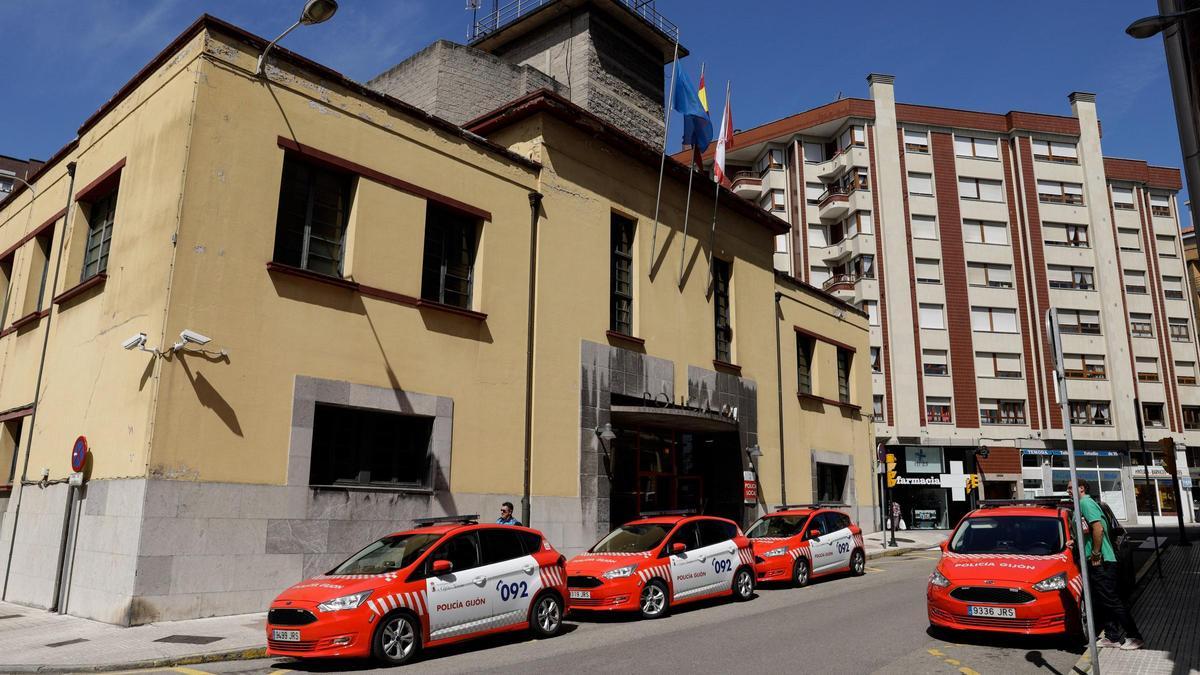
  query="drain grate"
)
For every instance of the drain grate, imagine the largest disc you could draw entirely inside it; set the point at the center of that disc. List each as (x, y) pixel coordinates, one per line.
(189, 639)
(64, 643)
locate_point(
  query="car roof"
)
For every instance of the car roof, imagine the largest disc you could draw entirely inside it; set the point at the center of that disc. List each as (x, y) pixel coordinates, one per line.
(448, 528)
(1030, 510)
(674, 519)
(790, 512)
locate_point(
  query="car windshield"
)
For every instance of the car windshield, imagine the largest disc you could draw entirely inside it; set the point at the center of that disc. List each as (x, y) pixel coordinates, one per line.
(776, 526)
(633, 538)
(388, 554)
(1027, 535)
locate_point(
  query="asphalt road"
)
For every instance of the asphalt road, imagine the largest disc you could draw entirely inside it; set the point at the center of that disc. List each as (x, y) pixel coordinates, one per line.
(872, 624)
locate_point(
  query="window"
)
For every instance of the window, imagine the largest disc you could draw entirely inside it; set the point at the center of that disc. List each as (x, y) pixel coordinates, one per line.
(1166, 246)
(772, 160)
(1057, 192)
(1152, 415)
(1065, 234)
(1140, 325)
(501, 544)
(816, 235)
(929, 271)
(1147, 369)
(924, 227)
(1128, 239)
(984, 148)
(871, 307)
(852, 135)
(804, 362)
(40, 266)
(355, 446)
(814, 153)
(1084, 366)
(1070, 277)
(1090, 413)
(621, 277)
(1135, 281)
(813, 192)
(1078, 322)
(450, 245)
(1173, 287)
(985, 232)
(855, 180)
(863, 267)
(781, 243)
(1179, 330)
(920, 184)
(931, 316)
(995, 411)
(314, 208)
(721, 310)
(1191, 417)
(6, 277)
(100, 219)
(916, 141)
(844, 359)
(1122, 198)
(996, 364)
(772, 201)
(818, 275)
(1160, 205)
(1185, 372)
(10, 442)
(877, 408)
(876, 360)
(831, 484)
(981, 189)
(858, 222)
(989, 274)
(934, 362)
(462, 551)
(713, 532)
(6, 184)
(937, 409)
(1055, 151)
(993, 320)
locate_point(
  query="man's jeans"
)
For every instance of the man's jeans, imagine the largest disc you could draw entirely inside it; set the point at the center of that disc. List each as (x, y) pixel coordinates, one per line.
(1108, 609)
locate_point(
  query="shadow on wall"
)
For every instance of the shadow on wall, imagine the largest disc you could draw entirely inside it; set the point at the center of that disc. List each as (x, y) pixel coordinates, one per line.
(208, 395)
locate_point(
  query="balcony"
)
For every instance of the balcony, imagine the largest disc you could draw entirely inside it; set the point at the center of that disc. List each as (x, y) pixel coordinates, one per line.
(747, 185)
(845, 286)
(830, 169)
(834, 202)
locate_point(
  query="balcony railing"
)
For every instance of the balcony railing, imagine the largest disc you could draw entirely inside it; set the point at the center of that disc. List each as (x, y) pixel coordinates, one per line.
(841, 282)
(834, 191)
(517, 9)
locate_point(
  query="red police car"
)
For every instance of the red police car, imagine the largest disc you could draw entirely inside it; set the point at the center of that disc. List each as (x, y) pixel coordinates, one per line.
(448, 580)
(1009, 567)
(658, 561)
(801, 541)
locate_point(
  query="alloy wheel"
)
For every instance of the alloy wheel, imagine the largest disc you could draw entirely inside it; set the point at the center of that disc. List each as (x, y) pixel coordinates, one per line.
(399, 638)
(548, 615)
(653, 600)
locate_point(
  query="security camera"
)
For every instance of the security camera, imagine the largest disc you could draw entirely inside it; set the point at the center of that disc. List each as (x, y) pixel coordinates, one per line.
(194, 337)
(135, 341)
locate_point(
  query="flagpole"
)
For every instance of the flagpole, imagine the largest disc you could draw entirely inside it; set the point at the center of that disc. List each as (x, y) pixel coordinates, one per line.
(688, 204)
(662, 165)
(712, 237)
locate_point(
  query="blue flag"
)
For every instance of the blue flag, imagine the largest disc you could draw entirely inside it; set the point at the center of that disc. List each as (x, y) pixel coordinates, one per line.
(697, 127)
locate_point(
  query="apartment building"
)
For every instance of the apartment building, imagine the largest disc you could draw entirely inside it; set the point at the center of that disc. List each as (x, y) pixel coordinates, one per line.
(12, 169)
(407, 317)
(955, 231)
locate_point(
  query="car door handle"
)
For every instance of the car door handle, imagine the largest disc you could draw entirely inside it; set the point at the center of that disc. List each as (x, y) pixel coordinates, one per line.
(731, 550)
(479, 581)
(528, 569)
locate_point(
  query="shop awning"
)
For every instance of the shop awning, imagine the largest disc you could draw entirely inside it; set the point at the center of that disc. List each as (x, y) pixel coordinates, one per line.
(679, 419)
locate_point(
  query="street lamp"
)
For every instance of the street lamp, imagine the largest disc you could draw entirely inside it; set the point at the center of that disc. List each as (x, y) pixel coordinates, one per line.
(315, 11)
(1150, 26)
(606, 436)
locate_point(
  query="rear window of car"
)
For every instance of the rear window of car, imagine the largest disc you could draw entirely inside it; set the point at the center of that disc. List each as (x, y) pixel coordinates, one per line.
(714, 532)
(777, 526)
(388, 554)
(635, 538)
(1025, 535)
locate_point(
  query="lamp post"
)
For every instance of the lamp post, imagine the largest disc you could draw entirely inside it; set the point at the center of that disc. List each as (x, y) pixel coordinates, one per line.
(315, 11)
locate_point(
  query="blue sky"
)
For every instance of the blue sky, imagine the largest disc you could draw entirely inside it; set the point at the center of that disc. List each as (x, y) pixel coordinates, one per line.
(66, 57)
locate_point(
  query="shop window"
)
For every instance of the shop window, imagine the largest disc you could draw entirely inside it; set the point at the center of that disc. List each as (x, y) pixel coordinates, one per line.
(356, 446)
(450, 244)
(314, 209)
(722, 316)
(621, 275)
(831, 482)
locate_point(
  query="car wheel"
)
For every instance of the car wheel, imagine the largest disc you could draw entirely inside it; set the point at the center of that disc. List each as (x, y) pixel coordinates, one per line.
(654, 602)
(545, 619)
(800, 573)
(397, 639)
(858, 563)
(743, 585)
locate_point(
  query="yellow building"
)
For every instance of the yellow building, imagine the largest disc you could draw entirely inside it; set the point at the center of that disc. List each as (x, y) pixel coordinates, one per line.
(340, 313)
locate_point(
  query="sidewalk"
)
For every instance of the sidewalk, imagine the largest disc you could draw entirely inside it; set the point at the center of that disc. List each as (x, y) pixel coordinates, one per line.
(1168, 613)
(906, 540)
(37, 641)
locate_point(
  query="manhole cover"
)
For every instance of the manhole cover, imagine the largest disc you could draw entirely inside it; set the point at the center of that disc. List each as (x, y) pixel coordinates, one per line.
(67, 642)
(189, 639)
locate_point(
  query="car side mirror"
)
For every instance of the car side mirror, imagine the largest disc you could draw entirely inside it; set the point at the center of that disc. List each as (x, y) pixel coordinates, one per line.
(944, 545)
(678, 548)
(813, 534)
(441, 567)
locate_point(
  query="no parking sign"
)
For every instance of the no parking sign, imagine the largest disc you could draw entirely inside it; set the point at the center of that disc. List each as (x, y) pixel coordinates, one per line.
(79, 454)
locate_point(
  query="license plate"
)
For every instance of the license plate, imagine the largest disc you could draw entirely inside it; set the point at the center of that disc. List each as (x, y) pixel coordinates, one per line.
(581, 595)
(286, 635)
(992, 612)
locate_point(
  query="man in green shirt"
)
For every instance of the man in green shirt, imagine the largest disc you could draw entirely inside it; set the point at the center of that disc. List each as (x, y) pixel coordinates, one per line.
(1119, 628)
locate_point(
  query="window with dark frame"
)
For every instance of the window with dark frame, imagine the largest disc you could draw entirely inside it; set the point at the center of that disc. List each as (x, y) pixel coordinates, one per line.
(356, 446)
(1001, 412)
(314, 209)
(6, 277)
(844, 359)
(10, 443)
(722, 319)
(1191, 417)
(1090, 413)
(1152, 415)
(43, 243)
(877, 408)
(101, 214)
(804, 356)
(831, 482)
(937, 410)
(451, 240)
(1179, 330)
(621, 275)
(876, 361)
(1140, 325)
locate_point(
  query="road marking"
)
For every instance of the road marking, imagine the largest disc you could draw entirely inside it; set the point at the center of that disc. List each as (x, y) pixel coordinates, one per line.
(189, 671)
(968, 671)
(951, 661)
(935, 652)
(873, 569)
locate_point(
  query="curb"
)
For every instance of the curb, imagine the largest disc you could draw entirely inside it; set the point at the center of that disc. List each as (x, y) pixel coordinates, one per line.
(901, 550)
(246, 654)
(1084, 664)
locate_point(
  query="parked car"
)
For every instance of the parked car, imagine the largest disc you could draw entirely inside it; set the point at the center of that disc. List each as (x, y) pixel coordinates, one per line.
(797, 543)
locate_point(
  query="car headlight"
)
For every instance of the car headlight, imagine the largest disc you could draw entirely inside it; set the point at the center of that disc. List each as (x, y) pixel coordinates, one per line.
(344, 602)
(775, 552)
(619, 572)
(1054, 583)
(938, 580)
